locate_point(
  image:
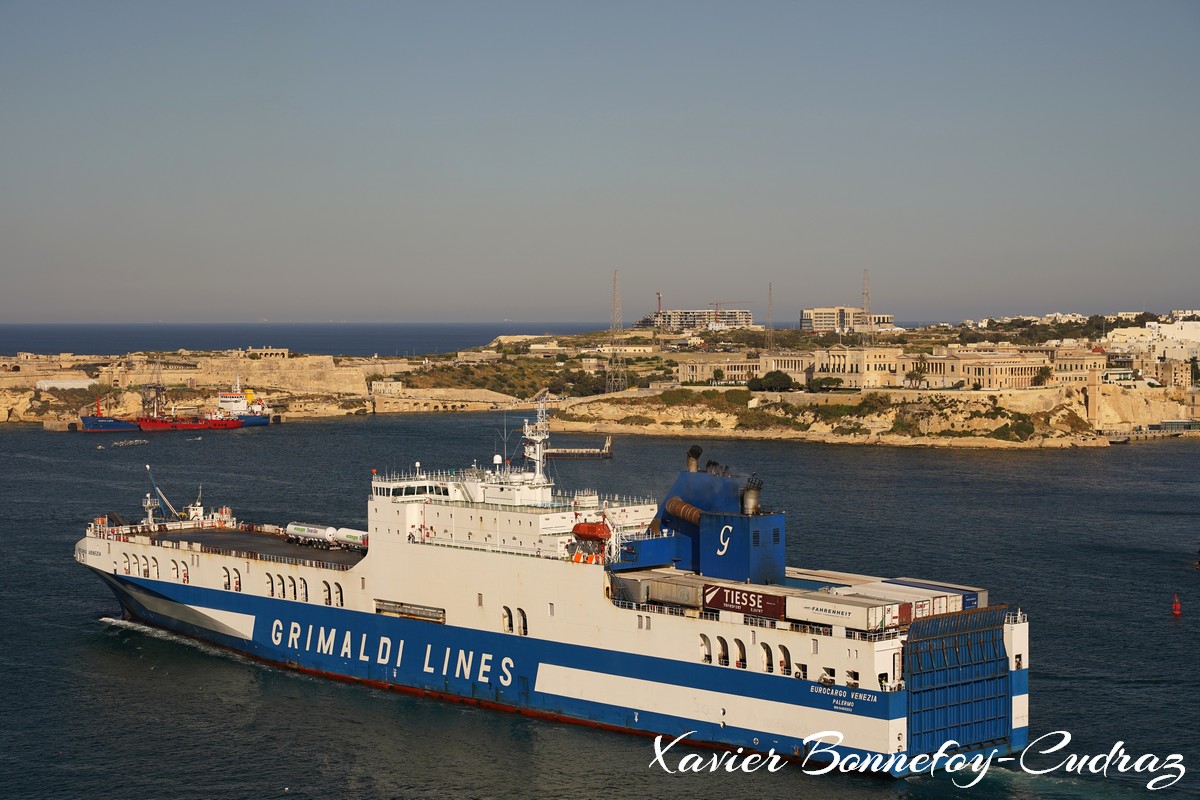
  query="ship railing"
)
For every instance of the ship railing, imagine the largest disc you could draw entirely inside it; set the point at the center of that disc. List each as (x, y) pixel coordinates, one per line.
(117, 531)
(815, 630)
(253, 556)
(674, 611)
(875, 636)
(646, 534)
(1016, 617)
(758, 622)
(492, 547)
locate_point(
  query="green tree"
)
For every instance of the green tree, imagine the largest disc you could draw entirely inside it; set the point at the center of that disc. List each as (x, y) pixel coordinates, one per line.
(718, 375)
(1042, 376)
(774, 381)
(916, 376)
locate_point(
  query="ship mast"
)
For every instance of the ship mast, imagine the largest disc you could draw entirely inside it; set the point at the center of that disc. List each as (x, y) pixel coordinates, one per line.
(535, 439)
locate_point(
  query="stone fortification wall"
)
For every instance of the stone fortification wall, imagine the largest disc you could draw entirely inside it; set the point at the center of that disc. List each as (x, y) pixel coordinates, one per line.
(1123, 409)
(418, 400)
(300, 374)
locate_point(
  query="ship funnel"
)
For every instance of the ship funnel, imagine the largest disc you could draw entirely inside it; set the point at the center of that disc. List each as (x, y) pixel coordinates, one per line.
(751, 494)
(677, 507)
(693, 458)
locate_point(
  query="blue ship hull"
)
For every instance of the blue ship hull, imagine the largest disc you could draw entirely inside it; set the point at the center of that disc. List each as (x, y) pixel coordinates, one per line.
(253, 420)
(500, 670)
(93, 424)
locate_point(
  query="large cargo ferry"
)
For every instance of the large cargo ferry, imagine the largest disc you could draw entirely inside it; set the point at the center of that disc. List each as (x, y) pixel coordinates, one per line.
(490, 586)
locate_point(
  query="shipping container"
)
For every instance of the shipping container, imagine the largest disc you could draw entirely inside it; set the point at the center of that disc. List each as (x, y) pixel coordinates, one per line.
(829, 576)
(921, 599)
(632, 590)
(735, 597)
(851, 612)
(674, 592)
(897, 612)
(972, 596)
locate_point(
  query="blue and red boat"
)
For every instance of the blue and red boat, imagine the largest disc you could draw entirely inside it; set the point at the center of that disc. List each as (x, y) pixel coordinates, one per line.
(98, 423)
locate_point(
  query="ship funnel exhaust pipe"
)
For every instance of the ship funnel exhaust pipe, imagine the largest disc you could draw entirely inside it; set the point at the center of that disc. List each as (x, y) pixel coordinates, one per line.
(678, 508)
(751, 494)
(693, 458)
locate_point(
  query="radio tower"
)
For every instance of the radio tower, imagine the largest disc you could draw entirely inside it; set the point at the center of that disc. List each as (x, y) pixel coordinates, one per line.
(770, 320)
(615, 377)
(868, 333)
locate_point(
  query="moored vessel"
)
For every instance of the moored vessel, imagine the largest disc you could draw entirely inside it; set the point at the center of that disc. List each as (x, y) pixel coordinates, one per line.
(99, 423)
(491, 586)
(175, 422)
(242, 404)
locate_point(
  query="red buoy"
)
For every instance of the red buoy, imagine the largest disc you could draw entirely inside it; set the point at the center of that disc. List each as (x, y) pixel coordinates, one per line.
(1176, 609)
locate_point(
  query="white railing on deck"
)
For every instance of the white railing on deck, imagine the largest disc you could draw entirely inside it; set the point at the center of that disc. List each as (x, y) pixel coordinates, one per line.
(134, 534)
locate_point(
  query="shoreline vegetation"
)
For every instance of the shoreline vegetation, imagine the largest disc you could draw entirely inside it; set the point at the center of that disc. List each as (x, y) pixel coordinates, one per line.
(512, 371)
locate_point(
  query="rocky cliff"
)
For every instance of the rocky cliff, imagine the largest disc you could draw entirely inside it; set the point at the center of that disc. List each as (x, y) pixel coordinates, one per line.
(1054, 417)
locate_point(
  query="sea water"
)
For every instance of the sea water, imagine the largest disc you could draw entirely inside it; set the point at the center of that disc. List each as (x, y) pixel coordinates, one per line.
(1092, 544)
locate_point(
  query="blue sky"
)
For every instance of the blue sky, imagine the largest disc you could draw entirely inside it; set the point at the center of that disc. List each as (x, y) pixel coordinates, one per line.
(458, 161)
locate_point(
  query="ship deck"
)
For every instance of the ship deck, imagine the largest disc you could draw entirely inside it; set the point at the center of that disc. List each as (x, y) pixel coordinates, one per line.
(260, 545)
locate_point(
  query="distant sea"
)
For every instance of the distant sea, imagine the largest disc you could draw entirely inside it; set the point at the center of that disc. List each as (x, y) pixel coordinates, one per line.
(347, 339)
(1092, 544)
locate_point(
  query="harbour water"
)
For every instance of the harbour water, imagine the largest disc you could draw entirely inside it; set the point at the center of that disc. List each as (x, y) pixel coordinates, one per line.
(348, 338)
(1091, 544)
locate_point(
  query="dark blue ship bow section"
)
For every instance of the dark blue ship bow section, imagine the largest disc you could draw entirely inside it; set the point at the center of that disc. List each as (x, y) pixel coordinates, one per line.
(956, 673)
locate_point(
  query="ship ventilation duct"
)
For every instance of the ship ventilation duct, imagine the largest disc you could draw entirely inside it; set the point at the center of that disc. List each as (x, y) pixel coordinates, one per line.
(693, 458)
(751, 494)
